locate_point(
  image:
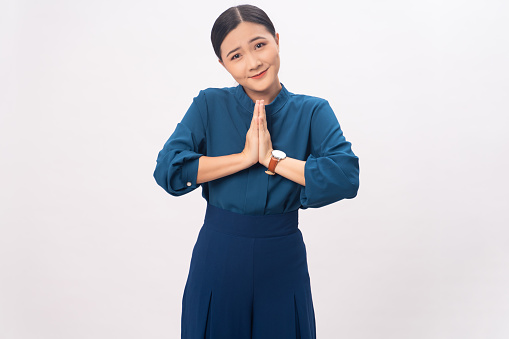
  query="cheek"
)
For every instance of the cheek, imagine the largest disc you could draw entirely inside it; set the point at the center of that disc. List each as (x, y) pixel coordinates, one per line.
(275, 57)
(275, 60)
(233, 69)
(236, 71)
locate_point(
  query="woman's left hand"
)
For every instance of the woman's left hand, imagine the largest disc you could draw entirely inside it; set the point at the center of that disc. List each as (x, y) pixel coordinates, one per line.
(264, 141)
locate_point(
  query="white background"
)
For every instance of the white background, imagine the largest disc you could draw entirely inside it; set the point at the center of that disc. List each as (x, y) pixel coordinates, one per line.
(91, 247)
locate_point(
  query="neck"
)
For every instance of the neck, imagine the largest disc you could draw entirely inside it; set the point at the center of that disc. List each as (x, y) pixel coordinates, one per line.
(268, 95)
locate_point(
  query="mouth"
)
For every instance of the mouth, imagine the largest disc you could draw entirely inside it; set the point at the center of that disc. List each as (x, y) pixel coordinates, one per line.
(259, 75)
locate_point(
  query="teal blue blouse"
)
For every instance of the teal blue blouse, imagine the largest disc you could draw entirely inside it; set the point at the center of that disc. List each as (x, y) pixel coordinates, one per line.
(304, 127)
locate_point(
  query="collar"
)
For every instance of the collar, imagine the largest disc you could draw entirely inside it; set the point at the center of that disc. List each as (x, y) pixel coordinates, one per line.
(272, 108)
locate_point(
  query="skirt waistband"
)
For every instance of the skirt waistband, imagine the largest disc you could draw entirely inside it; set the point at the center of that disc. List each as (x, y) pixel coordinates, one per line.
(255, 226)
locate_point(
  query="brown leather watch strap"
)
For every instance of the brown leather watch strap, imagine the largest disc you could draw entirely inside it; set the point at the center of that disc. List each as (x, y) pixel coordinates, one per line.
(272, 166)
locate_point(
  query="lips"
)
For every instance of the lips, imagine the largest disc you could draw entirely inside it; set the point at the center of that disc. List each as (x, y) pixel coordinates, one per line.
(259, 74)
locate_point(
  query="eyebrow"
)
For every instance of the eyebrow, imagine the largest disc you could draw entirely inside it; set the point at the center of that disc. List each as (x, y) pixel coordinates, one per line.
(250, 41)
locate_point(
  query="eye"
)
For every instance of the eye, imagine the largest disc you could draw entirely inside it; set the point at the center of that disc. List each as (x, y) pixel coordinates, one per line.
(260, 44)
(235, 56)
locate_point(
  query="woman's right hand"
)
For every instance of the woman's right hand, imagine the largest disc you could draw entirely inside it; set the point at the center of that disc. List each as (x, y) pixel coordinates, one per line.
(250, 151)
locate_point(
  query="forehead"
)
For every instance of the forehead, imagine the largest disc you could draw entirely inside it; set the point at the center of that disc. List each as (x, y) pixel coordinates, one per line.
(241, 35)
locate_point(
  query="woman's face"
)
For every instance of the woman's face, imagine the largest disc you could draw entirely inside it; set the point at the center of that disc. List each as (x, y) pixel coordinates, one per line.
(251, 55)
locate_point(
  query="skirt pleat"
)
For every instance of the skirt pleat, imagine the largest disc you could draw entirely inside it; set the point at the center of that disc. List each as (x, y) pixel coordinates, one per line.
(305, 315)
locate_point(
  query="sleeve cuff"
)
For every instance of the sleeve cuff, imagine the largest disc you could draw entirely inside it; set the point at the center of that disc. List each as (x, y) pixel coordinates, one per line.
(190, 173)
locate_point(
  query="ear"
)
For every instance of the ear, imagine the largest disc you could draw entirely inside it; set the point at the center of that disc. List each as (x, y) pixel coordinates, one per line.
(277, 41)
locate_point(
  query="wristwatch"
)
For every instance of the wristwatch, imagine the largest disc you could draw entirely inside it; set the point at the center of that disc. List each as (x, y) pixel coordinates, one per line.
(277, 156)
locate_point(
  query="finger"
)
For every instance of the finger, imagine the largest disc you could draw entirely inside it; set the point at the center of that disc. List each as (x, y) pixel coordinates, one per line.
(254, 120)
(263, 116)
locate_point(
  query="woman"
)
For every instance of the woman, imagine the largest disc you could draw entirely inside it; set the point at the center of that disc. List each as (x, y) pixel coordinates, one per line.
(260, 153)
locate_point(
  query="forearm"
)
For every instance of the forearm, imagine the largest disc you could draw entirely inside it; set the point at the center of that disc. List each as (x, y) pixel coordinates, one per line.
(292, 169)
(211, 168)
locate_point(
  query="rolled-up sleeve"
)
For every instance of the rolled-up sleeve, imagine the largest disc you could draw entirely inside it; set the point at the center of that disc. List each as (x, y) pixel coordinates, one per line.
(177, 163)
(332, 169)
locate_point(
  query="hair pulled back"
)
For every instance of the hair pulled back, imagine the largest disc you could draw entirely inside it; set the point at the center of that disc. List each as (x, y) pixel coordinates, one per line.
(231, 18)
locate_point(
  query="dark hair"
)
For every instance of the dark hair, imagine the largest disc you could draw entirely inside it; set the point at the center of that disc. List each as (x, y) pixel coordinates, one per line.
(231, 18)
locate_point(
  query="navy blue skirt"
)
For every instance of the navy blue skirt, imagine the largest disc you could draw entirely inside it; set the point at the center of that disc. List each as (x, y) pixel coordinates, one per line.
(248, 279)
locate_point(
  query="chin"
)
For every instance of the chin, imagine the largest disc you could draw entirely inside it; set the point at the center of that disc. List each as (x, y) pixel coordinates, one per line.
(260, 86)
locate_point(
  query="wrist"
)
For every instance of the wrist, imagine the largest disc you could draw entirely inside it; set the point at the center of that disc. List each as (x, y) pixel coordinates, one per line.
(275, 158)
(266, 160)
(245, 161)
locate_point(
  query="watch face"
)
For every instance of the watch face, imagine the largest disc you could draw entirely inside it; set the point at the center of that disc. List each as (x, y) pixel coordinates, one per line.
(278, 154)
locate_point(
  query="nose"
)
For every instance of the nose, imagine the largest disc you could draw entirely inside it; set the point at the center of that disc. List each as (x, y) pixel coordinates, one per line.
(253, 61)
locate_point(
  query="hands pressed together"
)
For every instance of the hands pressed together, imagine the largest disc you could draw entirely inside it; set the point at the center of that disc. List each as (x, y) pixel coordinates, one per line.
(258, 147)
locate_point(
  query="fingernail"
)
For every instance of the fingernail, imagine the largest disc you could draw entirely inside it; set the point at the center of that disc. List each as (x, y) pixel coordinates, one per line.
(262, 102)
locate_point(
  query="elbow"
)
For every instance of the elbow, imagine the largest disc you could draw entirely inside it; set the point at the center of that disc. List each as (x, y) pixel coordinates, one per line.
(345, 192)
(353, 182)
(169, 189)
(172, 182)
(353, 189)
(351, 192)
(313, 197)
(162, 179)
